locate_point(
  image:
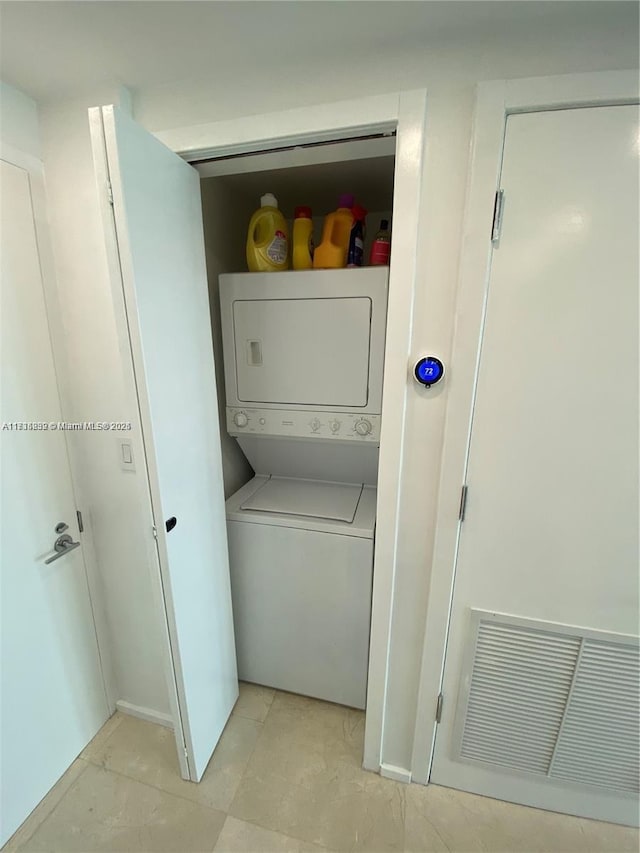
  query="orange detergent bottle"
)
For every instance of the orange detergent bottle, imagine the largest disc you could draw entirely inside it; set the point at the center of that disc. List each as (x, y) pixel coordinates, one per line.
(268, 238)
(332, 251)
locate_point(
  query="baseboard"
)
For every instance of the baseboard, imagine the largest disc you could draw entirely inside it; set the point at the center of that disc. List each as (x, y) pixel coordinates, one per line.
(400, 774)
(147, 714)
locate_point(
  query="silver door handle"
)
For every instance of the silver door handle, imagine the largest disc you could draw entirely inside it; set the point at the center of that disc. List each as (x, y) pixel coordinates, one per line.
(62, 546)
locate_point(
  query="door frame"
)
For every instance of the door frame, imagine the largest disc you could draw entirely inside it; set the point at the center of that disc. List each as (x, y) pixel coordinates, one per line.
(495, 101)
(55, 320)
(404, 112)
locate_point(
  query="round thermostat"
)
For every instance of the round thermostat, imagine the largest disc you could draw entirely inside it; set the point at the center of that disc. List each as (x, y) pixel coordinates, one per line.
(428, 371)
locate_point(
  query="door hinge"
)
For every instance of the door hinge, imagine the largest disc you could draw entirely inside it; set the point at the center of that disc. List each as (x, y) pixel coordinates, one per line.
(439, 707)
(498, 210)
(463, 503)
(155, 531)
(80, 524)
(109, 192)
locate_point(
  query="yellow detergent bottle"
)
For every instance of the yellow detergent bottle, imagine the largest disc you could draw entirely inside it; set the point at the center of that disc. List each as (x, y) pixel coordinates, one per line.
(302, 254)
(268, 238)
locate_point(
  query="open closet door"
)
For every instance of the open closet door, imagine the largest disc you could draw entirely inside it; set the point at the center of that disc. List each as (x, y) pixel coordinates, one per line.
(159, 268)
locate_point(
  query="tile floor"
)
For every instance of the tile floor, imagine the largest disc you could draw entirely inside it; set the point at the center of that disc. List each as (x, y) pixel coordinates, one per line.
(285, 777)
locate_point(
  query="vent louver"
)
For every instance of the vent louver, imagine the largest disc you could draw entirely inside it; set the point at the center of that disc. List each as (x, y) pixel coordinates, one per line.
(552, 701)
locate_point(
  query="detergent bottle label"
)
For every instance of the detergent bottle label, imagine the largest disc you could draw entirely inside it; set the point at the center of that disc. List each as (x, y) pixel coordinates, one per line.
(277, 248)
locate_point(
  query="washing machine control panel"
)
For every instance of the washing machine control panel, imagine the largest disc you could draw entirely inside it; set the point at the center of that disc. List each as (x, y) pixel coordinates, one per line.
(340, 426)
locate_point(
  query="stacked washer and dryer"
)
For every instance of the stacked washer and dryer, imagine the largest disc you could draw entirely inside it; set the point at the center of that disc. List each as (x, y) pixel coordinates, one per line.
(304, 358)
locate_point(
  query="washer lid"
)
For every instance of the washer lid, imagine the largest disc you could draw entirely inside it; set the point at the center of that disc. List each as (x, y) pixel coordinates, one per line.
(311, 498)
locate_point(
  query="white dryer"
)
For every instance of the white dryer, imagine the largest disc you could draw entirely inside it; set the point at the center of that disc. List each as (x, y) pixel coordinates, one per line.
(304, 356)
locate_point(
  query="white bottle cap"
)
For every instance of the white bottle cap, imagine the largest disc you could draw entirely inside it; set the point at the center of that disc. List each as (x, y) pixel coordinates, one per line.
(268, 200)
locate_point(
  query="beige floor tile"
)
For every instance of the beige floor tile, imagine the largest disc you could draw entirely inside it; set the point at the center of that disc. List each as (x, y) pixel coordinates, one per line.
(294, 701)
(238, 836)
(304, 780)
(610, 837)
(438, 819)
(348, 809)
(292, 783)
(254, 701)
(104, 811)
(147, 752)
(95, 746)
(306, 740)
(45, 807)
(283, 701)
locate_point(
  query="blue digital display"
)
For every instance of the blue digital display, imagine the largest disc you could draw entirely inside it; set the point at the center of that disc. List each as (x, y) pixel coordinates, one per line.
(428, 371)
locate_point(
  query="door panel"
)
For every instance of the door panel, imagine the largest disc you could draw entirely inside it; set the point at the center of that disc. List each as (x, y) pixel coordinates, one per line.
(53, 699)
(551, 525)
(158, 225)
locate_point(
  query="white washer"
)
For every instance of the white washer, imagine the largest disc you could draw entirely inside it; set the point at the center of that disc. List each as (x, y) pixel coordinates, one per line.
(301, 555)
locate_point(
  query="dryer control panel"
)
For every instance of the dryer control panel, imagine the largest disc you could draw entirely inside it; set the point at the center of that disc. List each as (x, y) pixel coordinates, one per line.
(341, 426)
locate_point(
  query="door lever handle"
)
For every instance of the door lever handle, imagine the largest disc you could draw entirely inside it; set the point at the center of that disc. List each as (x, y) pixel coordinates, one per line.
(62, 546)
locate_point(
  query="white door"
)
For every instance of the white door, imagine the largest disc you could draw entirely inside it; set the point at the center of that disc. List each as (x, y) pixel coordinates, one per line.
(162, 278)
(53, 699)
(535, 711)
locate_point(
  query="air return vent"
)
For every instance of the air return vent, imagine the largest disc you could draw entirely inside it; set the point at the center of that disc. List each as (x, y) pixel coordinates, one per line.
(551, 700)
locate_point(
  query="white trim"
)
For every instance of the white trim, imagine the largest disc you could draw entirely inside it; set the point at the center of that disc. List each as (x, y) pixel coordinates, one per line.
(402, 284)
(495, 101)
(405, 112)
(355, 149)
(340, 120)
(147, 714)
(391, 771)
(568, 91)
(35, 169)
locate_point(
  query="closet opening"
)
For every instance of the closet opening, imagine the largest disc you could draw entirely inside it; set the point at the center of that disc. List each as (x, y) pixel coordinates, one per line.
(299, 359)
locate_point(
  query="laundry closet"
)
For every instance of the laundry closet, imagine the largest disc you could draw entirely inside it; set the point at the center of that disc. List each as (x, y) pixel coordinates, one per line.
(300, 398)
(261, 411)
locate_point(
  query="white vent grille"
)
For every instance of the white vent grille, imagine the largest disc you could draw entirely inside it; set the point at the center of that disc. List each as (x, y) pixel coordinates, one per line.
(552, 701)
(598, 741)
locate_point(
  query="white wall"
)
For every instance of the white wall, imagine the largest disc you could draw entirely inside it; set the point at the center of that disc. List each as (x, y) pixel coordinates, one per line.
(19, 121)
(449, 73)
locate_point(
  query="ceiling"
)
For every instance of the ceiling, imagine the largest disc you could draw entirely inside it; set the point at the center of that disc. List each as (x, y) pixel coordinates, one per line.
(62, 49)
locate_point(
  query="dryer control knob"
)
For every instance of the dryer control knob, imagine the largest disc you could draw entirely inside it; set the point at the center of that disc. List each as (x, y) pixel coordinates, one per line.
(315, 425)
(335, 425)
(363, 427)
(240, 419)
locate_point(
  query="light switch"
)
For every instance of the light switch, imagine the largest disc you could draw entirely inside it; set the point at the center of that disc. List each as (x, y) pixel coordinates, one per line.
(126, 456)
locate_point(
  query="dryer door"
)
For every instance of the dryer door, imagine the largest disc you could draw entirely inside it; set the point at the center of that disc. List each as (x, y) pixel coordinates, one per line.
(306, 351)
